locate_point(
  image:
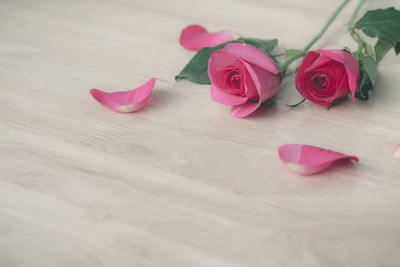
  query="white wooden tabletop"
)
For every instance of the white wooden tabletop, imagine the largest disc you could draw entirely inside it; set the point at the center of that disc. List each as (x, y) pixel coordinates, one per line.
(182, 182)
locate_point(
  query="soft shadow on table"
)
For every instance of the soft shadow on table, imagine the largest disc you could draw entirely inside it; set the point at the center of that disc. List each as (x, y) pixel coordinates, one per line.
(343, 166)
(159, 99)
(267, 111)
(332, 175)
(340, 166)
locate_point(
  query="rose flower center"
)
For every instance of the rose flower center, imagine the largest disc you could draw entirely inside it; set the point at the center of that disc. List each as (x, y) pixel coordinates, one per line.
(234, 80)
(321, 80)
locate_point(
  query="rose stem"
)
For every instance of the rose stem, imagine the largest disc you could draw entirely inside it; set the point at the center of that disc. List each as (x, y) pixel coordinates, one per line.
(302, 53)
(355, 35)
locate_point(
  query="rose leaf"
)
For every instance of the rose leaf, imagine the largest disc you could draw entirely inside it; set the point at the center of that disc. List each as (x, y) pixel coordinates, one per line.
(368, 74)
(381, 50)
(397, 48)
(264, 45)
(196, 69)
(383, 24)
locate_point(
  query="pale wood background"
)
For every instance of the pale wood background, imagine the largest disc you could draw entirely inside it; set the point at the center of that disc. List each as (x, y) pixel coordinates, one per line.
(182, 182)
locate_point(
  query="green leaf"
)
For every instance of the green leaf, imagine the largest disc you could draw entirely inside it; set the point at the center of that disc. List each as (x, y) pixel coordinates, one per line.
(368, 74)
(196, 69)
(397, 48)
(370, 67)
(381, 49)
(383, 24)
(264, 45)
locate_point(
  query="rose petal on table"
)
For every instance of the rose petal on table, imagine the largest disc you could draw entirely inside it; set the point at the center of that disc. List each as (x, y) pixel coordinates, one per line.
(396, 152)
(307, 160)
(125, 101)
(195, 37)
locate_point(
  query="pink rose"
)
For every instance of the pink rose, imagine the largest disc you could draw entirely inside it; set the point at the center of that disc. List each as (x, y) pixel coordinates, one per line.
(327, 75)
(243, 76)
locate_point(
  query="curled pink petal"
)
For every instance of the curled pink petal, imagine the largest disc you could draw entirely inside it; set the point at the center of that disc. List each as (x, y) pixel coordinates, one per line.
(396, 152)
(220, 96)
(266, 85)
(241, 111)
(195, 37)
(253, 55)
(307, 160)
(127, 101)
(351, 64)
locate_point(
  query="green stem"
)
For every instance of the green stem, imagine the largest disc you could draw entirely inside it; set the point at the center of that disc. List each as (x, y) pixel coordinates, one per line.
(302, 53)
(362, 44)
(296, 105)
(355, 13)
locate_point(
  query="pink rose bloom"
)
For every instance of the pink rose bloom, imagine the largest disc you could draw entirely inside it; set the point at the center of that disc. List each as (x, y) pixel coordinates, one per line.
(327, 75)
(242, 76)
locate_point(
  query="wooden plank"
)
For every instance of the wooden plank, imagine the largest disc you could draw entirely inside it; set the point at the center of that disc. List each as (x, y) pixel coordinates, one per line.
(182, 183)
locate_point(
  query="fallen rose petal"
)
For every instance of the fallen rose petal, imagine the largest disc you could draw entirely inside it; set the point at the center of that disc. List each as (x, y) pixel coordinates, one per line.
(127, 101)
(396, 152)
(307, 160)
(195, 37)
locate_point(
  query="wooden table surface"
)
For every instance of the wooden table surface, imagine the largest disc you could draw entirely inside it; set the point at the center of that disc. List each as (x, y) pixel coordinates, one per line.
(182, 182)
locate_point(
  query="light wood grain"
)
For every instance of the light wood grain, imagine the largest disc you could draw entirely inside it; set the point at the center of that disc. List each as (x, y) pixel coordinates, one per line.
(181, 182)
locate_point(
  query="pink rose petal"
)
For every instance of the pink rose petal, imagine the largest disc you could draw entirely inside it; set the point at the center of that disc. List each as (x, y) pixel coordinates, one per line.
(253, 55)
(316, 63)
(127, 101)
(227, 99)
(241, 111)
(351, 64)
(396, 152)
(307, 160)
(195, 37)
(266, 85)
